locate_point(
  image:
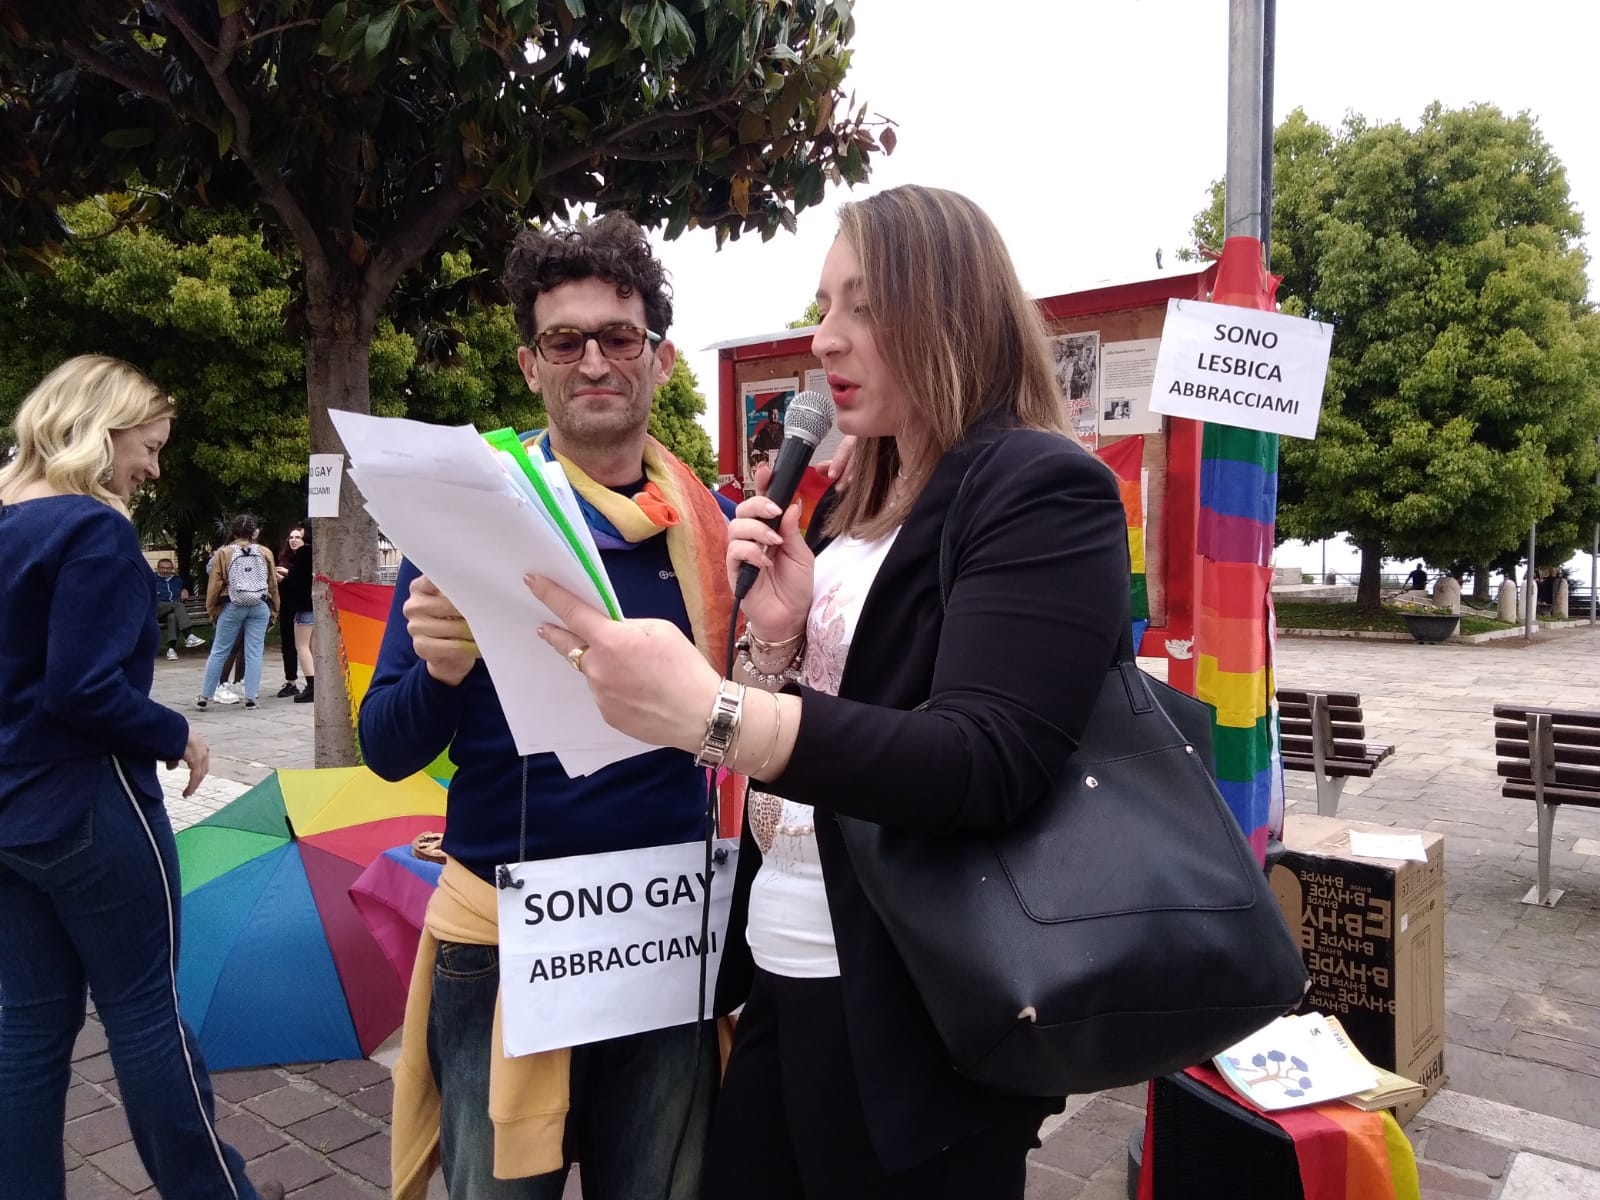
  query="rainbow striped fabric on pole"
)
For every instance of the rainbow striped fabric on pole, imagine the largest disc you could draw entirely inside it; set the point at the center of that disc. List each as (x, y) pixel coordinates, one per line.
(1234, 621)
(362, 609)
(1126, 460)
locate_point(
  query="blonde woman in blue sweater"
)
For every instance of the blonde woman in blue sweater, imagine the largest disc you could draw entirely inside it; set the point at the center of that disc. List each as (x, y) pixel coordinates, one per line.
(88, 865)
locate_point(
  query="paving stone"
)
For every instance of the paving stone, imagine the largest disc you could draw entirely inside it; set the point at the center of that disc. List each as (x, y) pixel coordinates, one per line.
(1046, 1184)
(333, 1129)
(1452, 1148)
(368, 1158)
(91, 1041)
(98, 1131)
(1558, 1052)
(1537, 1087)
(291, 1166)
(338, 1187)
(1555, 1017)
(240, 1086)
(85, 1098)
(249, 1135)
(1080, 1152)
(1534, 1177)
(96, 1069)
(286, 1106)
(1106, 1116)
(349, 1075)
(1444, 1183)
(122, 1164)
(377, 1100)
(86, 1183)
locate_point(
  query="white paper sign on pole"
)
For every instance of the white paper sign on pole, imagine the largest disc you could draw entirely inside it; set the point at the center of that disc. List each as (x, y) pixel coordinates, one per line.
(1241, 366)
(599, 946)
(327, 471)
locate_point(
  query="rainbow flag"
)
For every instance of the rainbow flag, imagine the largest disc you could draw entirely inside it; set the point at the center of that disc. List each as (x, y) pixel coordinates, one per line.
(1234, 620)
(1342, 1152)
(1126, 460)
(362, 610)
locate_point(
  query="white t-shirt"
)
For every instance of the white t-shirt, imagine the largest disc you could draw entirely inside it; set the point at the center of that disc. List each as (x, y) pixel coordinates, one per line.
(790, 932)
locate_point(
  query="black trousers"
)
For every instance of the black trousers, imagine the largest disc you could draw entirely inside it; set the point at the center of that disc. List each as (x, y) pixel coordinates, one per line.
(789, 1123)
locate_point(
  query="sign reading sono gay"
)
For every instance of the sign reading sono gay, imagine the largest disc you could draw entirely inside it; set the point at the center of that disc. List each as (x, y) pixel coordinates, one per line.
(1241, 366)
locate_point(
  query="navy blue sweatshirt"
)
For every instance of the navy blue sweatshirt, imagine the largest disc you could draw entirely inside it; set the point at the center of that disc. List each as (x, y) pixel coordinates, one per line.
(408, 717)
(76, 663)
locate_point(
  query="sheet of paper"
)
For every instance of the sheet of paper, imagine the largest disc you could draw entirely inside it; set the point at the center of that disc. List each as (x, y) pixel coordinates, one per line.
(1404, 846)
(433, 500)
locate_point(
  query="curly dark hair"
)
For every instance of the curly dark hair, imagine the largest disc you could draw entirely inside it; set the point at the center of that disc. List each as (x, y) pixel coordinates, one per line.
(612, 248)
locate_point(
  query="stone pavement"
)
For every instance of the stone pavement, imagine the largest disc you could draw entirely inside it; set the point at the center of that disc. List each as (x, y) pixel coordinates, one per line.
(1519, 1119)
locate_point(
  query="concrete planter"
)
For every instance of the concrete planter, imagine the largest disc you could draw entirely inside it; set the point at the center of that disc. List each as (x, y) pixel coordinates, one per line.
(1431, 627)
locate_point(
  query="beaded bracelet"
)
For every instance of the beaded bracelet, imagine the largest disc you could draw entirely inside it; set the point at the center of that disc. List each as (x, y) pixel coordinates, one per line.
(772, 680)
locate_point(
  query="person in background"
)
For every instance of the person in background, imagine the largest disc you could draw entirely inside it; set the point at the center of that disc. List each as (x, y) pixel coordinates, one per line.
(171, 614)
(287, 645)
(1417, 581)
(862, 692)
(298, 607)
(88, 864)
(242, 573)
(233, 668)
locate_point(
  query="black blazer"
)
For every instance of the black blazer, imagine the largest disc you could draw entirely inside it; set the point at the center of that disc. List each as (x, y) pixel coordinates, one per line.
(1010, 671)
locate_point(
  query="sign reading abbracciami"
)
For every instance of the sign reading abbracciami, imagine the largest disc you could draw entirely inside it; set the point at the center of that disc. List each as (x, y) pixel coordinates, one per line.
(1241, 366)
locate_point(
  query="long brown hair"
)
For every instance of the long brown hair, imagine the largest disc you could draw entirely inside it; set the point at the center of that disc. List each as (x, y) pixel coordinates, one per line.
(952, 322)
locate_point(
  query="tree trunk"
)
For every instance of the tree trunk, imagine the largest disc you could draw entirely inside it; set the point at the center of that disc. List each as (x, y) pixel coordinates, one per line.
(1369, 593)
(1480, 583)
(183, 537)
(344, 547)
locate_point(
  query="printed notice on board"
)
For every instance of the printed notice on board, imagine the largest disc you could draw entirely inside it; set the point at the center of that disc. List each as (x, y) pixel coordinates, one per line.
(322, 496)
(1240, 366)
(1127, 369)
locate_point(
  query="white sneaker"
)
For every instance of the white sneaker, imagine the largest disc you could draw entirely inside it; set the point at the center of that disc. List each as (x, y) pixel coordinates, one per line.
(191, 641)
(225, 695)
(172, 653)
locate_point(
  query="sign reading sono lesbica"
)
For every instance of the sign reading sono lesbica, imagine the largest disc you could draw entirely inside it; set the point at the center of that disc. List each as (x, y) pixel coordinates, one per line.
(598, 946)
(1241, 366)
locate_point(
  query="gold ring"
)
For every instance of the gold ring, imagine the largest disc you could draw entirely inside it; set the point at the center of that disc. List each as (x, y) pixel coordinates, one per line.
(575, 657)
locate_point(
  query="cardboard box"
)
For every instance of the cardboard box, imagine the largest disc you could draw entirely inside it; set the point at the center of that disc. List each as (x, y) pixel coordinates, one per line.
(1372, 931)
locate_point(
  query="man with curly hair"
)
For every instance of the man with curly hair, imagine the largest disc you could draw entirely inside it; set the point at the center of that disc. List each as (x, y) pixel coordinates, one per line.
(593, 305)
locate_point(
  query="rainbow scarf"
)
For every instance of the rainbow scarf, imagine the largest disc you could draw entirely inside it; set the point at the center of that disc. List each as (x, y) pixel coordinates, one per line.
(1234, 621)
(1342, 1152)
(675, 500)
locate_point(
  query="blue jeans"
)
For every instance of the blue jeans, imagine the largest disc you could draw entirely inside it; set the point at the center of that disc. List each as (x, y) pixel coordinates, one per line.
(630, 1098)
(98, 906)
(233, 622)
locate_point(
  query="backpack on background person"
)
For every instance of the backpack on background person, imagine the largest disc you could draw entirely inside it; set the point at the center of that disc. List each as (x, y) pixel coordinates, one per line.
(247, 577)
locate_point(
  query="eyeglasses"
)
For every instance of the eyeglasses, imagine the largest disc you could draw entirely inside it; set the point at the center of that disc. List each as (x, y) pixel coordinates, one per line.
(619, 343)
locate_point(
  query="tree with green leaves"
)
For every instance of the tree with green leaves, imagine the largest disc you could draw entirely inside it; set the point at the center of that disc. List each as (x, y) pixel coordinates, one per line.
(1463, 396)
(811, 316)
(374, 136)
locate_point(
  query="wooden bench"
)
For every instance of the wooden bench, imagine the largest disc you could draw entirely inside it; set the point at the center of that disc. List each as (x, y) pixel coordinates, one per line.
(1323, 732)
(1552, 757)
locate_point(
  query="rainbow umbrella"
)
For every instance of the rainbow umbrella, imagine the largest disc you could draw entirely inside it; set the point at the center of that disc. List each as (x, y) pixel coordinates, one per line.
(276, 964)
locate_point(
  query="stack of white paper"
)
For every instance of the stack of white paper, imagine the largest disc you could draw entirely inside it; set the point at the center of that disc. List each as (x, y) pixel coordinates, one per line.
(475, 527)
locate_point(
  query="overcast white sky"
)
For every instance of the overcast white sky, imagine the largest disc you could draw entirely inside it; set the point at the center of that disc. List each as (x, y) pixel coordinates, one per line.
(1090, 131)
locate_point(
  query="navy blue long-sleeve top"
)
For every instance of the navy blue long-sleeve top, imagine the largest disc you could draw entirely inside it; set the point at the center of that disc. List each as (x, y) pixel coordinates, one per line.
(76, 664)
(408, 717)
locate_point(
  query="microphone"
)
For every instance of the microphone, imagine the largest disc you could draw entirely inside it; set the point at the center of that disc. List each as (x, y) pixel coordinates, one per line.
(805, 424)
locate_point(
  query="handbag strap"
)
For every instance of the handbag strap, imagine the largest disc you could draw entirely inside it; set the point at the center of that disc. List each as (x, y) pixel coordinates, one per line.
(947, 570)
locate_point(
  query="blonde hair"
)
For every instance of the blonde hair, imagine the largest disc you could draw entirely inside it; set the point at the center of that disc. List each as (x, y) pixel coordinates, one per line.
(953, 324)
(64, 427)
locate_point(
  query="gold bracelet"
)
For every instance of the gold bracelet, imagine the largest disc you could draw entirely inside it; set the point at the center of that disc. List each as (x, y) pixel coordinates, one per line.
(766, 647)
(777, 734)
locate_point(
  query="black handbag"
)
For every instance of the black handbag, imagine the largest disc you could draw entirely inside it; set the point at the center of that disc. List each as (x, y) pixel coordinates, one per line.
(1119, 930)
